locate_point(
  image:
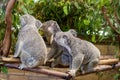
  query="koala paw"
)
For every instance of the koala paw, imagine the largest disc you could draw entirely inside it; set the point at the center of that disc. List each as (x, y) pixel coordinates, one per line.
(72, 73)
(22, 66)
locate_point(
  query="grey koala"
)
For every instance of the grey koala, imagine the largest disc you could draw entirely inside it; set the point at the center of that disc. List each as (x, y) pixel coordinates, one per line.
(84, 54)
(59, 54)
(50, 28)
(30, 45)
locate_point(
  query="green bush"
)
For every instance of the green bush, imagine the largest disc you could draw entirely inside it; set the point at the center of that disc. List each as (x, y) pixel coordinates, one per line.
(84, 16)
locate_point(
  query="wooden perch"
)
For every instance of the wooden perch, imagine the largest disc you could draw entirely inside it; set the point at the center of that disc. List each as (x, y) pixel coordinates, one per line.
(100, 68)
(10, 60)
(43, 71)
(104, 60)
(108, 61)
(64, 75)
(106, 57)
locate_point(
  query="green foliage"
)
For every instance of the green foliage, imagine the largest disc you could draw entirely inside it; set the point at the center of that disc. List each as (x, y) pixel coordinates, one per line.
(4, 69)
(84, 16)
(117, 76)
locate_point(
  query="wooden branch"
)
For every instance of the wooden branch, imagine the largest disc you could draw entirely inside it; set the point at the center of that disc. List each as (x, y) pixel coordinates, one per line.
(108, 20)
(108, 61)
(64, 75)
(103, 60)
(10, 60)
(43, 71)
(106, 57)
(101, 68)
(115, 14)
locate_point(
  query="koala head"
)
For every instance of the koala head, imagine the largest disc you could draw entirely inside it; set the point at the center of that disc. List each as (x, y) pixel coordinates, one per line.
(63, 39)
(29, 19)
(50, 28)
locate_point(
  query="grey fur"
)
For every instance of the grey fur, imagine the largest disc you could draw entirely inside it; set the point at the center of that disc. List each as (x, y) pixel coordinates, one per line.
(50, 28)
(73, 31)
(30, 46)
(84, 54)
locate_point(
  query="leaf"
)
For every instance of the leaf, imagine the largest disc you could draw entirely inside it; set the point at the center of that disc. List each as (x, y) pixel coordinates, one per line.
(116, 77)
(119, 2)
(102, 2)
(93, 38)
(24, 9)
(65, 10)
(4, 69)
(76, 5)
(86, 22)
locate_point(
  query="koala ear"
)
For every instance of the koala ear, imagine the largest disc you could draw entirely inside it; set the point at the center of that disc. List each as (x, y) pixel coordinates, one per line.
(38, 24)
(66, 39)
(23, 21)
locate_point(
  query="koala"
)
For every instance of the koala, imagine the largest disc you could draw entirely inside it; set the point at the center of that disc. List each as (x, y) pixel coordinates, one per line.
(50, 28)
(59, 54)
(56, 51)
(30, 46)
(85, 55)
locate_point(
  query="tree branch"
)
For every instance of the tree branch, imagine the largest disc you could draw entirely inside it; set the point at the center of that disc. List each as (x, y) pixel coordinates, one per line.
(108, 19)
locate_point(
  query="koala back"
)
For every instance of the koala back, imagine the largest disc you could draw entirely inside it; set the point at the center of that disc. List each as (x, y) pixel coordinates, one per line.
(86, 48)
(34, 45)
